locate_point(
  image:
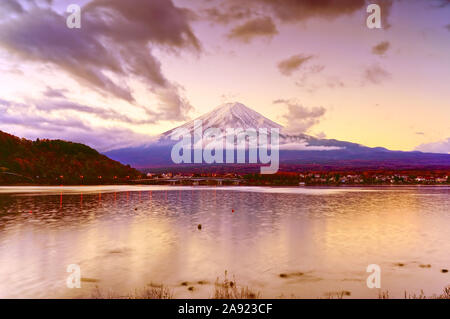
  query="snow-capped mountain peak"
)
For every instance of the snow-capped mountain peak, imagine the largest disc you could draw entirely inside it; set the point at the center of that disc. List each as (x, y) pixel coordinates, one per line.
(230, 115)
(236, 115)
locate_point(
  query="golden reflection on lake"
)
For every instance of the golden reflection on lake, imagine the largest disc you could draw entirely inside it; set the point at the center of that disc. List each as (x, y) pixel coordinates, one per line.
(127, 237)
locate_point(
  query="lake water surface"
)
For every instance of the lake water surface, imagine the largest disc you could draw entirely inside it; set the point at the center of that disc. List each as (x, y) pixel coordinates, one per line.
(127, 237)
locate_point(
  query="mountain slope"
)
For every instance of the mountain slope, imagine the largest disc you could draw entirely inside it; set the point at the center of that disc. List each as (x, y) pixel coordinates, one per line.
(55, 162)
(229, 115)
(299, 150)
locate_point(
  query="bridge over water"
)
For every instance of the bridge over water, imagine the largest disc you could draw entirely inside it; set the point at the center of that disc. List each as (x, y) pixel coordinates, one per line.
(191, 180)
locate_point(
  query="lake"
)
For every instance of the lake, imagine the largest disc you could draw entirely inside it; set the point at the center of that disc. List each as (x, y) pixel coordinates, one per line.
(320, 240)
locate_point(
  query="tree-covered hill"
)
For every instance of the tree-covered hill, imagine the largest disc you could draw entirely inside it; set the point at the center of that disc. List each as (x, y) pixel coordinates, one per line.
(57, 162)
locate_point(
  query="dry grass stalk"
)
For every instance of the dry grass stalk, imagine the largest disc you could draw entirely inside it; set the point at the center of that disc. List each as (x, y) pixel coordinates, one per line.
(145, 293)
(228, 289)
(445, 295)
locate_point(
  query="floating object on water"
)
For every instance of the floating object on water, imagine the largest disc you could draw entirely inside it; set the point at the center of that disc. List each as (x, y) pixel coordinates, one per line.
(199, 226)
(346, 293)
(191, 288)
(425, 266)
(294, 274)
(232, 210)
(84, 279)
(444, 270)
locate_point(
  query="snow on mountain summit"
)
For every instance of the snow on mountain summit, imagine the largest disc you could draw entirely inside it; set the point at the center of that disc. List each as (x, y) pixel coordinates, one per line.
(230, 115)
(236, 115)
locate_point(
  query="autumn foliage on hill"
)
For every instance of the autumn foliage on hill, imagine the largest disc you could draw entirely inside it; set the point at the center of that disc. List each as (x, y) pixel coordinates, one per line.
(56, 162)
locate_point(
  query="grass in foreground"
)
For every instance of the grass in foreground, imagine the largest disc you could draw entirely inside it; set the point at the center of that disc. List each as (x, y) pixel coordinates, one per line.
(145, 293)
(223, 289)
(229, 289)
(444, 295)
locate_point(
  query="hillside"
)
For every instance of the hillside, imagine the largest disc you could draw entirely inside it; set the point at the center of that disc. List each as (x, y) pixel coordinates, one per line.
(56, 162)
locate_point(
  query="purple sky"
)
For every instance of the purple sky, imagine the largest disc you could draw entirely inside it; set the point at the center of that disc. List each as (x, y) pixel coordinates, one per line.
(137, 68)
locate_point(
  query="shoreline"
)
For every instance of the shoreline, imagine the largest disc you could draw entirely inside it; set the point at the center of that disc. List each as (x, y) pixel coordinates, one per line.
(105, 189)
(232, 186)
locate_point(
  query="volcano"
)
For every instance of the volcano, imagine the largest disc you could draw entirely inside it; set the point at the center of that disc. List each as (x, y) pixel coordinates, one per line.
(297, 151)
(229, 115)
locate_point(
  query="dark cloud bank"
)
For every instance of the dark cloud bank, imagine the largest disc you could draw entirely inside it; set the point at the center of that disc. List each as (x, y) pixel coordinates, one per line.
(116, 38)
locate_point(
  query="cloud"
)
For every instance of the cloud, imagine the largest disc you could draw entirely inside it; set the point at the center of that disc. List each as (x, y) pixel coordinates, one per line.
(295, 11)
(293, 63)
(292, 10)
(104, 139)
(233, 13)
(10, 6)
(259, 27)
(381, 48)
(435, 147)
(308, 73)
(376, 74)
(61, 109)
(172, 107)
(321, 135)
(309, 81)
(55, 93)
(386, 6)
(114, 45)
(38, 121)
(304, 146)
(141, 21)
(102, 113)
(334, 82)
(299, 10)
(300, 118)
(19, 114)
(440, 3)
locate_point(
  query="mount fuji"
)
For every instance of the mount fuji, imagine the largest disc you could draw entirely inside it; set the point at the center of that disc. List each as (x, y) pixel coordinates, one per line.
(297, 152)
(229, 115)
